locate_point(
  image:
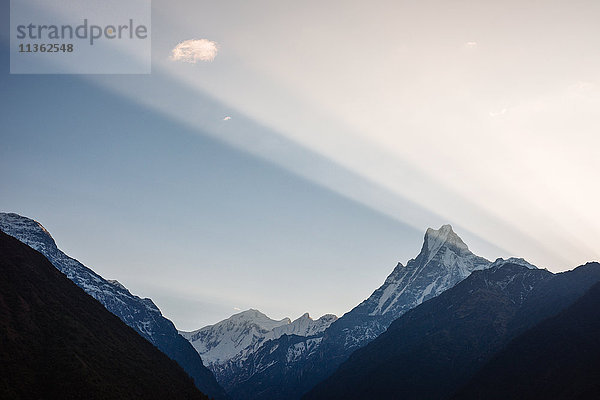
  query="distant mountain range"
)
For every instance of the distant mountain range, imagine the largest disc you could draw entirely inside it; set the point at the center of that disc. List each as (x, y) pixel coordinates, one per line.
(140, 314)
(230, 342)
(288, 366)
(448, 325)
(57, 342)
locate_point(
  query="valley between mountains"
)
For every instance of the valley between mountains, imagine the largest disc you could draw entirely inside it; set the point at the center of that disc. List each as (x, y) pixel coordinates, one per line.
(448, 324)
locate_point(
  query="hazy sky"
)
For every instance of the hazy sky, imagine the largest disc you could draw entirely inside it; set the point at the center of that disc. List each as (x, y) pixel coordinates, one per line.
(289, 168)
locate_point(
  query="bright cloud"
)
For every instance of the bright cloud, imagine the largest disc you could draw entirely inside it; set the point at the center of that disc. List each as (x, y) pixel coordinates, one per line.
(498, 113)
(194, 50)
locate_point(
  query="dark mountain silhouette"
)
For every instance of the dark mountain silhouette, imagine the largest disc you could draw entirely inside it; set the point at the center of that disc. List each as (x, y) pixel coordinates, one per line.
(557, 359)
(286, 368)
(57, 342)
(140, 314)
(434, 349)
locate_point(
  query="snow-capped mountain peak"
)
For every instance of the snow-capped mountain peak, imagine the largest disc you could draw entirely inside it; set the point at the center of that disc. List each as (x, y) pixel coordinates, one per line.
(243, 333)
(28, 231)
(512, 260)
(444, 260)
(435, 239)
(304, 326)
(253, 316)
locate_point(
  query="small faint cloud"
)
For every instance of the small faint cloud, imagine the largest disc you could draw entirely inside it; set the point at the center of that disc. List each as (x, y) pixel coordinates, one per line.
(498, 113)
(471, 45)
(237, 309)
(582, 86)
(194, 50)
(227, 118)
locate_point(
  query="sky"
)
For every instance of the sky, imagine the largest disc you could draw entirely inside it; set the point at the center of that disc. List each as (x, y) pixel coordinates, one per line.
(286, 155)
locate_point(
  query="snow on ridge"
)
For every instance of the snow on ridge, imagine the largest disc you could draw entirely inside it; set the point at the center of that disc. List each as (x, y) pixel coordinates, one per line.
(304, 326)
(28, 231)
(134, 311)
(445, 235)
(244, 333)
(434, 239)
(512, 260)
(116, 283)
(250, 316)
(444, 260)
